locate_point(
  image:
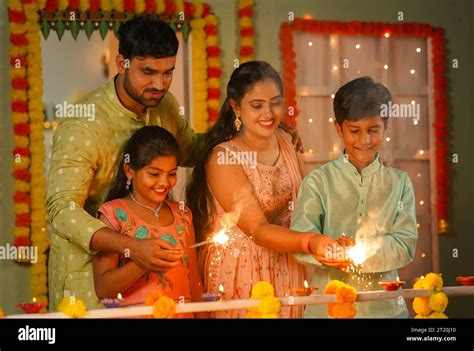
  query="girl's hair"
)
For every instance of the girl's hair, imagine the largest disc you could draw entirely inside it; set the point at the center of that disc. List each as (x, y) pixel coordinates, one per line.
(144, 145)
(199, 197)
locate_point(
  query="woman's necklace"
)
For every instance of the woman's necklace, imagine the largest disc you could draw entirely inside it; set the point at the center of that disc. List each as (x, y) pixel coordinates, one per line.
(156, 212)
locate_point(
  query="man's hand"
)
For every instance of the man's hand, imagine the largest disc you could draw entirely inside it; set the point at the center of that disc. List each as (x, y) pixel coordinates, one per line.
(325, 249)
(296, 140)
(155, 255)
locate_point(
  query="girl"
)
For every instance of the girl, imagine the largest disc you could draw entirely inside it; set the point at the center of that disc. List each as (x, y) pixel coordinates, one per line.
(137, 206)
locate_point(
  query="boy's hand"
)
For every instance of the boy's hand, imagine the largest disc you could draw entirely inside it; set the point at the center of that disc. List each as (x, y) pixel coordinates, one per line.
(325, 249)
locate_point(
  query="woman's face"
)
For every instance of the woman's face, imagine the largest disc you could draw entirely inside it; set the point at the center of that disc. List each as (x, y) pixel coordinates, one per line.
(261, 109)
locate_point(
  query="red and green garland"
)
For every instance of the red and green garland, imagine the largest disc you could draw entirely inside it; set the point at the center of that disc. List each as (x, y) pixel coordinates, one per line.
(383, 29)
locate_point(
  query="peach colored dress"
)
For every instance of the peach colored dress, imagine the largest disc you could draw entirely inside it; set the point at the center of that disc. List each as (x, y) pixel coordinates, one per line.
(243, 263)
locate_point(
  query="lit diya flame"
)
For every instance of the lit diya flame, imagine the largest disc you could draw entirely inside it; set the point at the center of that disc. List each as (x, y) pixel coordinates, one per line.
(306, 290)
(221, 289)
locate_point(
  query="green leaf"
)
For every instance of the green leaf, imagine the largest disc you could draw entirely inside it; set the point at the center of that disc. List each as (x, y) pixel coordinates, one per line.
(173, 26)
(116, 28)
(60, 28)
(45, 29)
(74, 28)
(103, 29)
(186, 28)
(89, 29)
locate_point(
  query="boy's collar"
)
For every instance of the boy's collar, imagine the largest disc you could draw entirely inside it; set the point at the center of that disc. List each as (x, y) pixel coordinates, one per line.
(368, 170)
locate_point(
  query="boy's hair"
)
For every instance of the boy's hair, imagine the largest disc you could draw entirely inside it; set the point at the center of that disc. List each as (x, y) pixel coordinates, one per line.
(359, 99)
(147, 35)
(144, 145)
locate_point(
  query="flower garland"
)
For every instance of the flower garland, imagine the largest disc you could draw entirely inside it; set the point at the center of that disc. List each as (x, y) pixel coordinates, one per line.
(269, 306)
(440, 125)
(39, 237)
(345, 296)
(247, 31)
(199, 74)
(432, 306)
(214, 70)
(21, 129)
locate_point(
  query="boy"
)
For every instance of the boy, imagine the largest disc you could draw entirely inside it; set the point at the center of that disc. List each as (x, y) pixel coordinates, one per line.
(357, 195)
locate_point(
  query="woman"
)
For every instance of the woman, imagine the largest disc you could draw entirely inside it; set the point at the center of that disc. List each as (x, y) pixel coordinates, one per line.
(259, 190)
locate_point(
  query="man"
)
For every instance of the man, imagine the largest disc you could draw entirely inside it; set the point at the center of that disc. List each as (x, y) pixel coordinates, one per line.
(86, 154)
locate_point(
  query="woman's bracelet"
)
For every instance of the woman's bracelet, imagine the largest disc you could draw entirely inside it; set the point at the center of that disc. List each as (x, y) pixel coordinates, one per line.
(305, 242)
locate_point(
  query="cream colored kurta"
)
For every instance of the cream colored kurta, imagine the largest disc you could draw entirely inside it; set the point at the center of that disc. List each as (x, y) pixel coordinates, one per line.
(85, 157)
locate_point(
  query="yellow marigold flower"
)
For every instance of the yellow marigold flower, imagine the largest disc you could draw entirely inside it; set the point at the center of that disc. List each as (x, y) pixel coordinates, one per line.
(164, 307)
(421, 305)
(419, 284)
(433, 281)
(262, 289)
(72, 307)
(152, 297)
(438, 302)
(269, 305)
(419, 316)
(253, 312)
(438, 315)
(198, 8)
(140, 6)
(84, 5)
(341, 310)
(62, 5)
(332, 286)
(105, 5)
(160, 6)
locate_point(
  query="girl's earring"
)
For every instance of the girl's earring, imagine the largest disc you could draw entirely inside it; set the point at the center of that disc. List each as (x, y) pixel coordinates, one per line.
(237, 123)
(129, 182)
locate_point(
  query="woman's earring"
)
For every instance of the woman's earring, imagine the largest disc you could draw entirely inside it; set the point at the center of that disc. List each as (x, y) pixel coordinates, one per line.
(129, 182)
(237, 123)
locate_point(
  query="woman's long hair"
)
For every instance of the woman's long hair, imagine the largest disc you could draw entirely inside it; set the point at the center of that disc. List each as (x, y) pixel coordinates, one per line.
(199, 197)
(144, 145)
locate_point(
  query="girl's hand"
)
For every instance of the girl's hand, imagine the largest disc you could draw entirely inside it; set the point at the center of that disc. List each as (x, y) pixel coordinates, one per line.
(328, 251)
(346, 241)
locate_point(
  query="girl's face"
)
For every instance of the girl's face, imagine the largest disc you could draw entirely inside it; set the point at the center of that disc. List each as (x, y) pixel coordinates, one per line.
(261, 109)
(151, 184)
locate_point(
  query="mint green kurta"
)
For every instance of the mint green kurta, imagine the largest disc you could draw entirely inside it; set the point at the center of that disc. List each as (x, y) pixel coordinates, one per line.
(378, 204)
(85, 157)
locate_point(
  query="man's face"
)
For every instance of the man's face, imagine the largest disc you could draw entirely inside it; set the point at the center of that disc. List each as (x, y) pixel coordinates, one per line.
(148, 79)
(362, 139)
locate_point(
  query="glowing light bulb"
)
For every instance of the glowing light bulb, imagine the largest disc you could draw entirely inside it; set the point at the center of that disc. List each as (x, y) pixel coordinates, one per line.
(387, 35)
(421, 152)
(412, 102)
(385, 66)
(418, 50)
(357, 46)
(310, 43)
(412, 71)
(331, 119)
(387, 138)
(310, 120)
(334, 68)
(333, 96)
(310, 151)
(422, 202)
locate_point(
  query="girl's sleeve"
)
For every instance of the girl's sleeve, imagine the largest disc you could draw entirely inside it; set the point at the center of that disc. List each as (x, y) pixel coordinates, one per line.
(108, 211)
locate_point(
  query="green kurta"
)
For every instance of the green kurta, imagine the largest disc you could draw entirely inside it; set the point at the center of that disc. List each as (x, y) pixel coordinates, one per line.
(85, 157)
(379, 205)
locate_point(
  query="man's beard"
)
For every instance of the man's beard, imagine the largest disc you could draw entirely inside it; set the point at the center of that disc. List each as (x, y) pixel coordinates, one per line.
(135, 95)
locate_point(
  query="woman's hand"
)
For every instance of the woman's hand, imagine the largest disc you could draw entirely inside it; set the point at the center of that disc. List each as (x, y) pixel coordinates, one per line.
(328, 251)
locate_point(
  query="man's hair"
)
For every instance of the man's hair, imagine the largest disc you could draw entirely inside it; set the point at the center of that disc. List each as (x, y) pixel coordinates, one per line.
(359, 99)
(147, 36)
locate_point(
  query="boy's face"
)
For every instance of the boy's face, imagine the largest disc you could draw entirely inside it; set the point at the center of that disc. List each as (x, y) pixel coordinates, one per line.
(362, 139)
